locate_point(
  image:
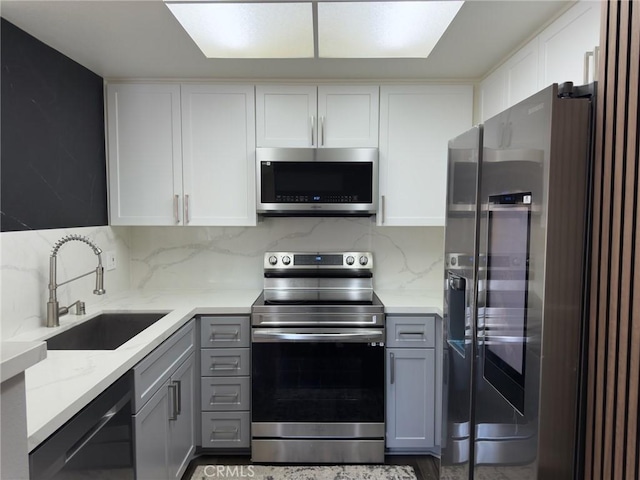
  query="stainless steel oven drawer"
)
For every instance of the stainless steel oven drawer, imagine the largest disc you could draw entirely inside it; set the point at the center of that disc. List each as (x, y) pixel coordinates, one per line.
(225, 331)
(317, 451)
(225, 362)
(225, 393)
(226, 430)
(411, 332)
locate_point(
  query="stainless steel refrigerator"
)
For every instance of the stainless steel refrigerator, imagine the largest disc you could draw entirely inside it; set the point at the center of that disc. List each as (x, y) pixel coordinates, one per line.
(517, 202)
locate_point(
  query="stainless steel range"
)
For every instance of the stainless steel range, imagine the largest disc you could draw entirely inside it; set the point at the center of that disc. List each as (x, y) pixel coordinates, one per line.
(317, 361)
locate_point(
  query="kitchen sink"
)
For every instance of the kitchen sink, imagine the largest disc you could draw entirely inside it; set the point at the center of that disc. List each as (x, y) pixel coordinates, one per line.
(105, 332)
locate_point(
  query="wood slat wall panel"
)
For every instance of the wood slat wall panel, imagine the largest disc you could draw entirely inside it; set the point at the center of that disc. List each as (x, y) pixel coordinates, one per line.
(612, 443)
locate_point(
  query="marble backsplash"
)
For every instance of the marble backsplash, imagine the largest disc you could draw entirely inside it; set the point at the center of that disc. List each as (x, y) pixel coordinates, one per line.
(231, 257)
(200, 257)
(24, 272)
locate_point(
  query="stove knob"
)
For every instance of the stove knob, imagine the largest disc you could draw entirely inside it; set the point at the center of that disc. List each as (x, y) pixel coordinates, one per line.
(273, 260)
(350, 260)
(286, 260)
(364, 260)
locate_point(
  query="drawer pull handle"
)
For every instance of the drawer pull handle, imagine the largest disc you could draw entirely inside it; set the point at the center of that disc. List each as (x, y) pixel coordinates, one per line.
(233, 396)
(214, 334)
(224, 366)
(412, 333)
(224, 431)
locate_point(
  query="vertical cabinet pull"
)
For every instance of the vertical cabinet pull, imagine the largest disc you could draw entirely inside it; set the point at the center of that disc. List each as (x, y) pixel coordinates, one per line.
(382, 208)
(322, 130)
(596, 62)
(173, 390)
(178, 383)
(313, 127)
(587, 62)
(186, 209)
(393, 368)
(176, 215)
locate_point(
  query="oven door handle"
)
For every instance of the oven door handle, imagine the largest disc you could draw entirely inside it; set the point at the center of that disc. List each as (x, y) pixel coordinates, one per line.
(278, 335)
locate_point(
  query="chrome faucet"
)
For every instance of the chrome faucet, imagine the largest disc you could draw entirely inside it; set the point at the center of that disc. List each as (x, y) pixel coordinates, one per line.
(54, 311)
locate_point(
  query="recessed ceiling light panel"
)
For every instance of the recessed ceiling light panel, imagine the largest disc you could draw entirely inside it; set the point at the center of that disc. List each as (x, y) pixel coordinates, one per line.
(248, 30)
(382, 29)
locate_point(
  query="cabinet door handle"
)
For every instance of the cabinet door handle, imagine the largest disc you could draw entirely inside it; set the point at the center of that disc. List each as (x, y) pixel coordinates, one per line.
(173, 388)
(382, 208)
(187, 219)
(322, 130)
(587, 56)
(313, 127)
(179, 396)
(596, 62)
(176, 215)
(393, 368)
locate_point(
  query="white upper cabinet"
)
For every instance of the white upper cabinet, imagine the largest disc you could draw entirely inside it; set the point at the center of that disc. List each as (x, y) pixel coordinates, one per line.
(521, 72)
(181, 158)
(566, 51)
(218, 162)
(286, 115)
(492, 90)
(145, 154)
(512, 82)
(416, 123)
(348, 116)
(568, 46)
(310, 116)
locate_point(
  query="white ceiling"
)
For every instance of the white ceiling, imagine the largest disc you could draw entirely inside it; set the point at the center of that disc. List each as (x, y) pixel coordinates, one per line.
(141, 39)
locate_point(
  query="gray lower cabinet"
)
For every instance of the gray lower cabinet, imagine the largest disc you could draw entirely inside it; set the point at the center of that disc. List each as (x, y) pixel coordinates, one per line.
(164, 422)
(225, 387)
(411, 383)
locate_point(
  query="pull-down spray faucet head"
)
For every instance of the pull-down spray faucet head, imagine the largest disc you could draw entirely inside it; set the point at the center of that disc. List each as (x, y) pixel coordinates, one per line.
(53, 309)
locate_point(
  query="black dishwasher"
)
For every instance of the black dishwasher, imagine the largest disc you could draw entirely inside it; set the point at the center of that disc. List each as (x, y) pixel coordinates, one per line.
(96, 443)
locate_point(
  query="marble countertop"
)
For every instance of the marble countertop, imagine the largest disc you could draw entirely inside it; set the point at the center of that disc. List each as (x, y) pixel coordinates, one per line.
(411, 302)
(60, 386)
(66, 381)
(16, 357)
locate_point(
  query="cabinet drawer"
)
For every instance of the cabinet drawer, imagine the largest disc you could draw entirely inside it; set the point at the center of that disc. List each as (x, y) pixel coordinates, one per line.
(225, 332)
(226, 430)
(157, 367)
(411, 332)
(225, 393)
(224, 362)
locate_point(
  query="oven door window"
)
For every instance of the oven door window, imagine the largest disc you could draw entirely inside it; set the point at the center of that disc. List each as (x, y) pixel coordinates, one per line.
(317, 382)
(316, 182)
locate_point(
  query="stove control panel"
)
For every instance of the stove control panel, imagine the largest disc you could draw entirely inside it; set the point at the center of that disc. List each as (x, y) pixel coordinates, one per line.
(306, 260)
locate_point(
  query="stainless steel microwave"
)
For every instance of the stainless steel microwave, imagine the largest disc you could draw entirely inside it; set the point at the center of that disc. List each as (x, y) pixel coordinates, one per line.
(317, 181)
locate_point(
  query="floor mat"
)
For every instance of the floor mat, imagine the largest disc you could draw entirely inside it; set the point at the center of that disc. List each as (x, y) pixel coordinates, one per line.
(329, 472)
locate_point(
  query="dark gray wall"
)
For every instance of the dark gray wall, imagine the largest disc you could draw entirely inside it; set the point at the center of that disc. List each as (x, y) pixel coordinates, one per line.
(53, 154)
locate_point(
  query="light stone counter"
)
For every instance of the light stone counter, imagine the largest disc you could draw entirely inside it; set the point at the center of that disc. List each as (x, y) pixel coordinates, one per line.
(411, 302)
(16, 357)
(66, 381)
